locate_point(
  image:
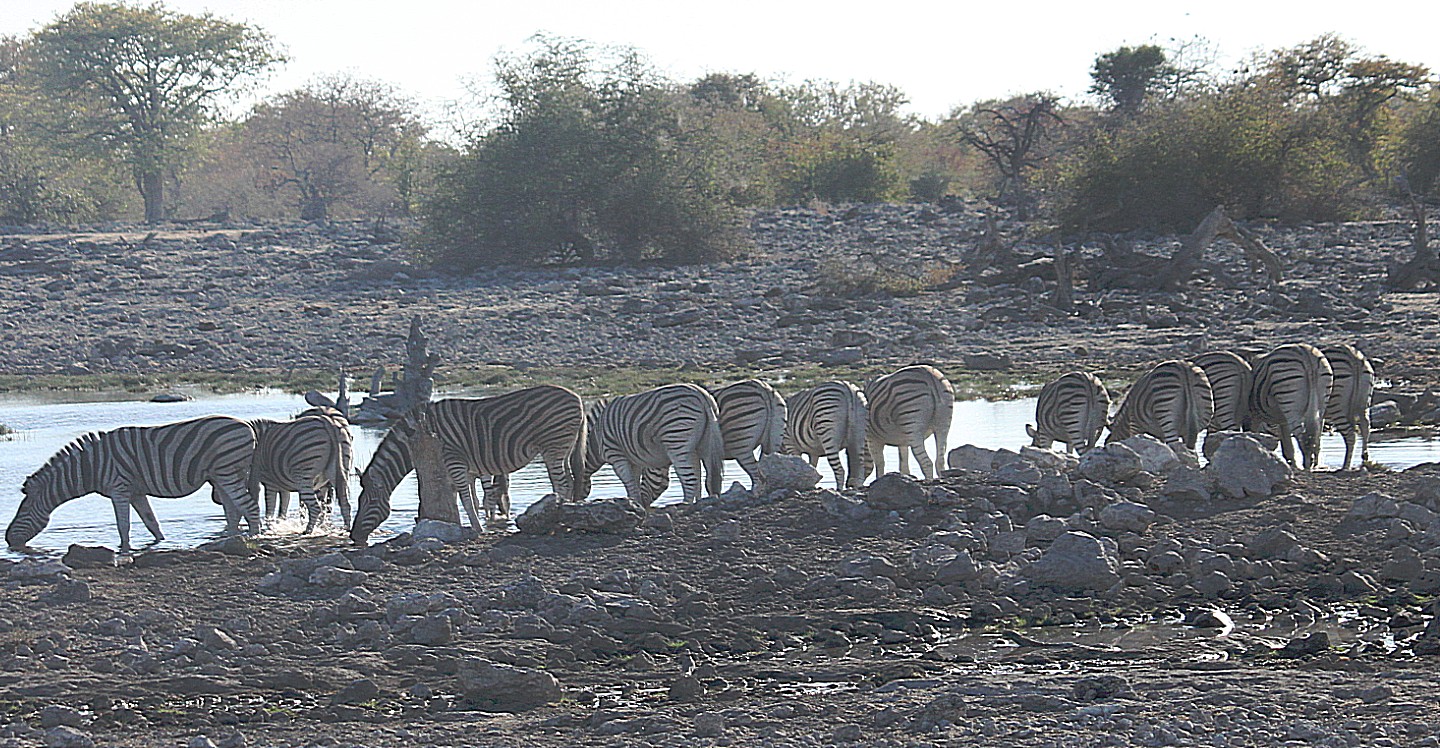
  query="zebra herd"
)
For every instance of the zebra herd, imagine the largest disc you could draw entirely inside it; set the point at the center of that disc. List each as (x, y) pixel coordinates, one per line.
(1291, 392)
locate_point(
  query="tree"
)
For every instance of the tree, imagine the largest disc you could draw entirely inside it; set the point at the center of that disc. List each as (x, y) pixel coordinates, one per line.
(1129, 75)
(1009, 134)
(335, 140)
(154, 74)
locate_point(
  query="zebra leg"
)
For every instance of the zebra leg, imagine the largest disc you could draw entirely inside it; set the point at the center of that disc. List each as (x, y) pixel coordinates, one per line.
(838, 468)
(687, 469)
(1349, 436)
(1364, 437)
(271, 501)
(141, 503)
(626, 473)
(467, 500)
(855, 456)
(877, 456)
(751, 467)
(927, 468)
(653, 482)
(122, 521)
(1287, 445)
(312, 509)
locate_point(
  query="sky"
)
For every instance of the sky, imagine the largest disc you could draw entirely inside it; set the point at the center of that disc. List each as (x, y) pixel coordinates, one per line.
(942, 54)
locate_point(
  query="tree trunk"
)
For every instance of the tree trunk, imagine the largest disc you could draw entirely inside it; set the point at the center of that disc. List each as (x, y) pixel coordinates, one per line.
(1423, 267)
(437, 495)
(314, 208)
(152, 190)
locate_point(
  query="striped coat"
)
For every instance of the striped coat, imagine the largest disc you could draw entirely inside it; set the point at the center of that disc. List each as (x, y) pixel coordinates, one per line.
(1171, 402)
(825, 420)
(130, 464)
(488, 436)
(1071, 409)
(642, 435)
(904, 409)
(1230, 380)
(311, 455)
(1288, 398)
(752, 416)
(1347, 408)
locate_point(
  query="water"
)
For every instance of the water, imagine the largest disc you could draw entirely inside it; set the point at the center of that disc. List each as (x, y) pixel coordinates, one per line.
(43, 426)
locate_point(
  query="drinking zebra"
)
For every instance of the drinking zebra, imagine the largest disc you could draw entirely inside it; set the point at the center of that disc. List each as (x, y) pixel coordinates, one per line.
(1230, 380)
(905, 407)
(642, 435)
(1071, 409)
(1288, 396)
(311, 455)
(488, 436)
(130, 464)
(1171, 402)
(823, 421)
(1348, 405)
(752, 416)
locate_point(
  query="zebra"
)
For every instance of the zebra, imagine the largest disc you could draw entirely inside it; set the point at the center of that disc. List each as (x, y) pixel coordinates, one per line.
(311, 454)
(823, 421)
(752, 416)
(1171, 402)
(1348, 404)
(905, 407)
(1230, 378)
(643, 434)
(488, 436)
(1288, 395)
(1071, 409)
(132, 463)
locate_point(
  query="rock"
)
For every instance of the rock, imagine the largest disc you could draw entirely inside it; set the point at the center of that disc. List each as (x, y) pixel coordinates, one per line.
(1213, 441)
(1155, 456)
(1316, 643)
(445, 532)
(171, 397)
(200, 741)
(58, 714)
(1212, 584)
(88, 557)
(331, 576)
(434, 630)
(896, 491)
(1127, 516)
(1187, 484)
(840, 356)
(843, 507)
(491, 686)
(68, 591)
(234, 545)
(1273, 543)
(215, 638)
(38, 570)
(986, 361)
(357, 691)
(1043, 529)
(709, 725)
(682, 317)
(64, 736)
(1242, 468)
(550, 515)
(686, 688)
(1210, 618)
(1076, 561)
(779, 471)
(971, 457)
(1111, 465)
(1100, 688)
(1048, 458)
(1385, 414)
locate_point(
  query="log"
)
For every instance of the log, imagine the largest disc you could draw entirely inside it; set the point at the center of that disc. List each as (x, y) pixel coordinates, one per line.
(1121, 267)
(1423, 267)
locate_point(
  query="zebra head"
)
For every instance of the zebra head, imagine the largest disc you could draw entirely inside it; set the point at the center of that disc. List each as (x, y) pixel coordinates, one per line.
(34, 512)
(371, 509)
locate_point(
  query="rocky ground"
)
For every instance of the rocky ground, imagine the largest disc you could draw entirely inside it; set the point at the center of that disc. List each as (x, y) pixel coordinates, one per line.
(1126, 599)
(818, 289)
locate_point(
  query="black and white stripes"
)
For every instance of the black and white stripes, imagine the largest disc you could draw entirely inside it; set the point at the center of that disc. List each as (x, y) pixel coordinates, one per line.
(825, 420)
(128, 465)
(904, 409)
(1288, 397)
(1171, 402)
(310, 455)
(1347, 408)
(1071, 409)
(640, 436)
(752, 416)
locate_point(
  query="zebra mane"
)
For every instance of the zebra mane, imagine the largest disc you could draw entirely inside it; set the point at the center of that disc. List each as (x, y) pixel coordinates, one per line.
(67, 454)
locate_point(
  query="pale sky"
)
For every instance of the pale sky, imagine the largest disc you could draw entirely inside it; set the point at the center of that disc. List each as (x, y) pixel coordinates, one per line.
(942, 54)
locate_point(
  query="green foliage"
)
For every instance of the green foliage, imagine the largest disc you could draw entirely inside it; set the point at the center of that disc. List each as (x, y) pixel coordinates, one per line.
(929, 187)
(874, 275)
(1129, 75)
(1418, 146)
(586, 164)
(1012, 136)
(835, 168)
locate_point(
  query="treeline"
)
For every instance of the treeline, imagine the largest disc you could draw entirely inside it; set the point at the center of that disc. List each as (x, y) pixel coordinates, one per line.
(588, 155)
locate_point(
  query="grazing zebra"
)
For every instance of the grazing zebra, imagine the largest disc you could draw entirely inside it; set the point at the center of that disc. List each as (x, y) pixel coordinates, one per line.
(311, 455)
(642, 435)
(1291, 386)
(1348, 404)
(752, 416)
(1171, 402)
(1230, 380)
(1071, 409)
(905, 407)
(130, 464)
(488, 436)
(824, 420)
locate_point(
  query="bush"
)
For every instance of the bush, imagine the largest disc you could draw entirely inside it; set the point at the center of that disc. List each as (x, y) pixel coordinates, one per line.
(837, 168)
(1418, 147)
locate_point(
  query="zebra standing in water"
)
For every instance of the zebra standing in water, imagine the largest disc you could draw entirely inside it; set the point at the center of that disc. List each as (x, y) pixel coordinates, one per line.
(752, 416)
(642, 435)
(312, 454)
(1230, 380)
(488, 436)
(130, 464)
(1348, 405)
(1291, 386)
(823, 421)
(1071, 409)
(1171, 402)
(905, 407)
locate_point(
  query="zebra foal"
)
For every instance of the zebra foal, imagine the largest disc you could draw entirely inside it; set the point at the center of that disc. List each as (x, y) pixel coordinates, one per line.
(904, 408)
(488, 436)
(1071, 409)
(825, 420)
(642, 435)
(311, 455)
(1347, 407)
(1171, 402)
(130, 464)
(1288, 396)
(752, 416)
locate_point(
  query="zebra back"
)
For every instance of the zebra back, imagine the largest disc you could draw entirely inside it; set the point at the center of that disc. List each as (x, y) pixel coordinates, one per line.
(752, 415)
(1071, 409)
(1353, 384)
(304, 453)
(479, 436)
(909, 404)
(675, 424)
(1171, 402)
(1230, 378)
(825, 418)
(1291, 386)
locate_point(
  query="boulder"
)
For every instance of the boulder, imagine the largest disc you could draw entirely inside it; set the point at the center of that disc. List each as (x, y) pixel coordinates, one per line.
(1111, 465)
(1155, 456)
(896, 491)
(38, 570)
(88, 557)
(446, 532)
(779, 471)
(491, 686)
(1243, 468)
(1048, 458)
(609, 516)
(971, 457)
(1184, 483)
(1385, 414)
(332, 576)
(1077, 561)
(843, 507)
(1373, 506)
(1213, 440)
(1127, 516)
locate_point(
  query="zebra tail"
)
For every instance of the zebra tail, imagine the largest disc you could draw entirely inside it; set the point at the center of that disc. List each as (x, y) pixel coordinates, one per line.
(579, 476)
(773, 440)
(340, 478)
(712, 456)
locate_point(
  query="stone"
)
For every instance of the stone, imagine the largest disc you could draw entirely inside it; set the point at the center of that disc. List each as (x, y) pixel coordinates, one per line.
(88, 557)
(1385, 414)
(1127, 516)
(1111, 465)
(971, 457)
(171, 397)
(1048, 459)
(68, 591)
(1043, 529)
(434, 630)
(896, 491)
(445, 532)
(1211, 583)
(1242, 468)
(200, 741)
(357, 691)
(38, 570)
(843, 507)
(986, 361)
(1155, 456)
(1273, 543)
(686, 688)
(332, 576)
(64, 736)
(55, 715)
(1187, 484)
(1308, 646)
(1076, 561)
(779, 471)
(1213, 440)
(606, 516)
(233, 545)
(495, 687)
(709, 725)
